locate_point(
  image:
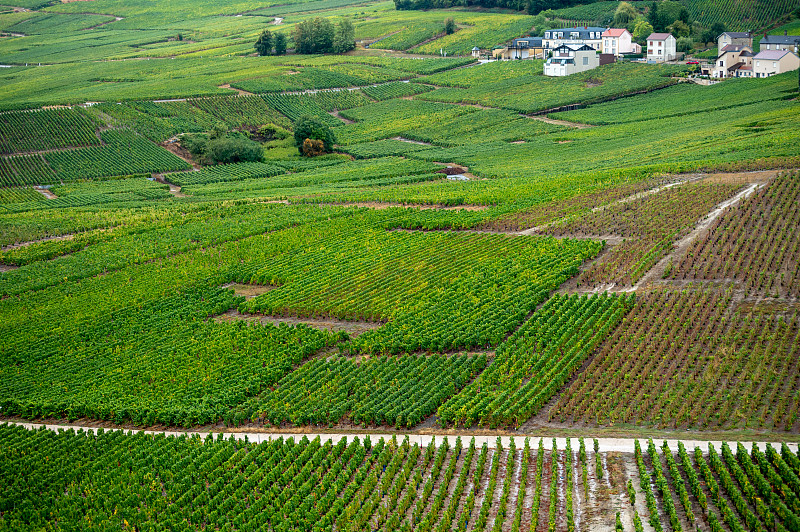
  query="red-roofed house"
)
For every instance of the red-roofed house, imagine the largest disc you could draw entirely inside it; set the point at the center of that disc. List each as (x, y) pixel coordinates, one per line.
(770, 62)
(618, 42)
(661, 47)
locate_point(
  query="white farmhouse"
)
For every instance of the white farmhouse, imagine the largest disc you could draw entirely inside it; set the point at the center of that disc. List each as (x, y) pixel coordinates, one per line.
(661, 47)
(568, 60)
(618, 42)
(770, 62)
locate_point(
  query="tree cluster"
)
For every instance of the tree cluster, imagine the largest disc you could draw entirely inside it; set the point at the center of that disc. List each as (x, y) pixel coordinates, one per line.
(220, 146)
(267, 42)
(312, 137)
(320, 36)
(517, 5)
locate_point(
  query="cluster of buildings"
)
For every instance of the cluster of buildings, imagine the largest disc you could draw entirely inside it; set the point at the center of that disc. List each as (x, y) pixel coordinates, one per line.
(778, 54)
(572, 50)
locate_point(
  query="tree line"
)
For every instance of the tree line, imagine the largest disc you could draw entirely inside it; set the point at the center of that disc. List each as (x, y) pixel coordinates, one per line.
(313, 36)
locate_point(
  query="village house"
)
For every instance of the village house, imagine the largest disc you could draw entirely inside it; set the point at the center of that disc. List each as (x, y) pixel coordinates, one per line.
(734, 61)
(568, 60)
(618, 42)
(740, 38)
(661, 47)
(770, 62)
(790, 43)
(522, 48)
(577, 36)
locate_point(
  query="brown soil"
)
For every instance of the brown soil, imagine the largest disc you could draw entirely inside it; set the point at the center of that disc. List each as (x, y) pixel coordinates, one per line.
(44, 192)
(29, 242)
(352, 328)
(173, 145)
(740, 178)
(249, 291)
(402, 139)
(340, 117)
(175, 190)
(517, 142)
(7, 267)
(240, 91)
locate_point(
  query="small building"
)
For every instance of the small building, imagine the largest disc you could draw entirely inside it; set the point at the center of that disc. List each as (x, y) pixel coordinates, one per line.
(661, 47)
(523, 48)
(770, 62)
(618, 42)
(733, 61)
(740, 38)
(790, 43)
(577, 36)
(568, 60)
(476, 52)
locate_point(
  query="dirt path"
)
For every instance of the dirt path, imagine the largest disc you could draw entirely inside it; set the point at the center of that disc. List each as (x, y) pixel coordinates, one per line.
(352, 328)
(680, 247)
(174, 189)
(382, 206)
(621, 445)
(418, 142)
(565, 123)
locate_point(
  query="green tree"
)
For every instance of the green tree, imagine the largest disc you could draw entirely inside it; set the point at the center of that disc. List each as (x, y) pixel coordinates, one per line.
(345, 39)
(652, 16)
(263, 45)
(679, 29)
(449, 26)
(685, 44)
(624, 15)
(323, 34)
(280, 43)
(301, 34)
(311, 128)
(642, 30)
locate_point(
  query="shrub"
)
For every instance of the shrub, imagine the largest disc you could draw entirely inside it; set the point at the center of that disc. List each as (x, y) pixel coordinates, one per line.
(312, 128)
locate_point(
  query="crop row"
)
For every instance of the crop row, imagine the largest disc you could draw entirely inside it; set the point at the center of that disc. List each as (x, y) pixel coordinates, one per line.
(756, 242)
(536, 361)
(400, 391)
(227, 172)
(26, 131)
(144, 481)
(743, 371)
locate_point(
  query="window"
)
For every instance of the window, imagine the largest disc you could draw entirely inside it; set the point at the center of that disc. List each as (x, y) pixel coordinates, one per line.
(758, 63)
(767, 47)
(721, 63)
(560, 34)
(651, 43)
(774, 64)
(585, 60)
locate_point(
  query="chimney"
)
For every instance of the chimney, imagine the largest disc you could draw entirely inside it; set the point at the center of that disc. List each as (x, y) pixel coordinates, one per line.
(785, 33)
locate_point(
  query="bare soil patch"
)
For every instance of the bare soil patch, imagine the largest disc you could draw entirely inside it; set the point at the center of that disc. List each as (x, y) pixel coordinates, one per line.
(29, 242)
(7, 267)
(240, 91)
(740, 178)
(249, 291)
(340, 117)
(173, 145)
(352, 328)
(44, 192)
(420, 143)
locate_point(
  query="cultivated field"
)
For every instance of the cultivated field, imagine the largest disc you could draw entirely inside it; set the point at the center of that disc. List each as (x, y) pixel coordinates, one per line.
(502, 301)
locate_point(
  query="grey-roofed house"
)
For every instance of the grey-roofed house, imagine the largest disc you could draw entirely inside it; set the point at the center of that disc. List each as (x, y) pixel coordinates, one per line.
(789, 43)
(574, 36)
(742, 38)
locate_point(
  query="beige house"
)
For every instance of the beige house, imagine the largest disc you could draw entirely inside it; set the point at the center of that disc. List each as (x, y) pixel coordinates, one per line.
(522, 48)
(733, 61)
(568, 60)
(770, 62)
(618, 42)
(661, 47)
(740, 38)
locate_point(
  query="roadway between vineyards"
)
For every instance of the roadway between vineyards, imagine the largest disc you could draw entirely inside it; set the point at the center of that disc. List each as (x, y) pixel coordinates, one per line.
(622, 445)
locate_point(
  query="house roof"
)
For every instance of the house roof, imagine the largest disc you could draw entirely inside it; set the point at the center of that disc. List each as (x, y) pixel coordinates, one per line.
(532, 41)
(573, 48)
(659, 36)
(614, 32)
(736, 34)
(771, 55)
(734, 48)
(475, 48)
(583, 31)
(780, 39)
